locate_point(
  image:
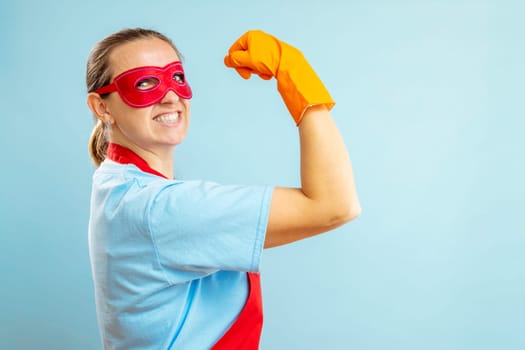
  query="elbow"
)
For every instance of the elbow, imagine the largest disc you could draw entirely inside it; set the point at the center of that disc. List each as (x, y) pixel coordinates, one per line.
(344, 214)
(351, 213)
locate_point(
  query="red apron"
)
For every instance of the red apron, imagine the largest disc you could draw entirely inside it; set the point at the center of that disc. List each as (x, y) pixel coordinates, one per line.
(245, 332)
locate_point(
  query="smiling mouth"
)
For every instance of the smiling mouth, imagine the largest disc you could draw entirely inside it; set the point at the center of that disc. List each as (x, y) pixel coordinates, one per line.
(168, 118)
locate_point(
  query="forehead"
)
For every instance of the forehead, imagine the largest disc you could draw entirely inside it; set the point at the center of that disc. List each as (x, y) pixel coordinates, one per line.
(142, 52)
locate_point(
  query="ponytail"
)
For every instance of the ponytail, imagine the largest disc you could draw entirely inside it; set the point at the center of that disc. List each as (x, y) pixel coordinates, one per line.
(98, 143)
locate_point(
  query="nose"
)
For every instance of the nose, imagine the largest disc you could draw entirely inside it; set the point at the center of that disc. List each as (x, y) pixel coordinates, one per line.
(170, 97)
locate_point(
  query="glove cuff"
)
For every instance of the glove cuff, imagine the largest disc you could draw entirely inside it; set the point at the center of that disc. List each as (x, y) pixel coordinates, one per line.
(299, 85)
(302, 92)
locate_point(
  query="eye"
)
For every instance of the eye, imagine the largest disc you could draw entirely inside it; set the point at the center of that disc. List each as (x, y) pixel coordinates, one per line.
(146, 84)
(179, 78)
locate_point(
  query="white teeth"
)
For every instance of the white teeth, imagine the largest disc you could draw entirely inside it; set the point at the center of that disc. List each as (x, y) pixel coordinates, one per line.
(168, 118)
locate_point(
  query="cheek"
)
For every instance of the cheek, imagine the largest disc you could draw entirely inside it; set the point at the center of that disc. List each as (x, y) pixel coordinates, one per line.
(130, 117)
(188, 114)
(187, 106)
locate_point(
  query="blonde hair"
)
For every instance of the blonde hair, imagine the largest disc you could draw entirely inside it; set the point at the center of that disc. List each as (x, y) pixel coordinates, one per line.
(98, 74)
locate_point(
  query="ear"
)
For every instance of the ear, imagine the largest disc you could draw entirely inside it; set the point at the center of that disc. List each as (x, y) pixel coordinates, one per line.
(98, 106)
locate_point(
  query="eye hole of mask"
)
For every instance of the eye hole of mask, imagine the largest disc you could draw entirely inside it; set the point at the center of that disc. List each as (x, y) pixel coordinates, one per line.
(178, 78)
(147, 83)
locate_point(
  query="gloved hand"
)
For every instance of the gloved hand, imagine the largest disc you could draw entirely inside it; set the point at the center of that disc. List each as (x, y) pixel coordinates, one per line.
(262, 54)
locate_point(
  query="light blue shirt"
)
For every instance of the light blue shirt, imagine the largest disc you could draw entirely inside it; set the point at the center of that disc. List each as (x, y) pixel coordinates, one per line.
(169, 258)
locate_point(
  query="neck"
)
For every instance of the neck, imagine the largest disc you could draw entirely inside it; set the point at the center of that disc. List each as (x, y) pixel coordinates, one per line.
(163, 163)
(159, 159)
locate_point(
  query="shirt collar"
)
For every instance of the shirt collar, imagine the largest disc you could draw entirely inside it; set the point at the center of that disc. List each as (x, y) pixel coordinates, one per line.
(123, 155)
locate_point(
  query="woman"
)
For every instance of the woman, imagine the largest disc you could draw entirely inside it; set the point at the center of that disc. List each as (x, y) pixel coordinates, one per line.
(175, 263)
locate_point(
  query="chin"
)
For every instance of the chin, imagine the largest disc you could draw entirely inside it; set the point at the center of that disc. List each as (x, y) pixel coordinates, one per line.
(177, 141)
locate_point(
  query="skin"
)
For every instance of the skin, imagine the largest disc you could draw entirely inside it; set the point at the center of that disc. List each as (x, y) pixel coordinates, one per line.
(327, 197)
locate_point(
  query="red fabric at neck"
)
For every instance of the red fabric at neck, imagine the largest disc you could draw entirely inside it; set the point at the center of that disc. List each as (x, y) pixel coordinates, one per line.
(123, 155)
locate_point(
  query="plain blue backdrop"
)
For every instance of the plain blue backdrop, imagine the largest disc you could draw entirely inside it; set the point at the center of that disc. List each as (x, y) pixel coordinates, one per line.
(430, 101)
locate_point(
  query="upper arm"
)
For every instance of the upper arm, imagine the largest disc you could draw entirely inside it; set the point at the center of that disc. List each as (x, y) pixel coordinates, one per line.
(294, 216)
(201, 225)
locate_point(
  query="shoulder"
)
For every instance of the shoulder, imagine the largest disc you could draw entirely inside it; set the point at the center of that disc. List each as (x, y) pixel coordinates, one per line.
(128, 181)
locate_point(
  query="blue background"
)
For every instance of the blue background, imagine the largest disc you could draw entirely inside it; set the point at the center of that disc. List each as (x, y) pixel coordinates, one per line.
(429, 101)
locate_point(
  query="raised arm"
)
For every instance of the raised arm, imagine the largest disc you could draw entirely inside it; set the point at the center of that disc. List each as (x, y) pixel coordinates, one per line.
(327, 197)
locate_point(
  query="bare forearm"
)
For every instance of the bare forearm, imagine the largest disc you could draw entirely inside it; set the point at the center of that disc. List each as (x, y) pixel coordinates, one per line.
(327, 197)
(326, 170)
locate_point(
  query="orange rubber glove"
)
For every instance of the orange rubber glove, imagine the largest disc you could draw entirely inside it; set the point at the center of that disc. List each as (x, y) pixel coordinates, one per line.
(262, 54)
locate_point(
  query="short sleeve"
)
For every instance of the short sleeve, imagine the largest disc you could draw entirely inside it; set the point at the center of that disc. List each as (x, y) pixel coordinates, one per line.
(202, 227)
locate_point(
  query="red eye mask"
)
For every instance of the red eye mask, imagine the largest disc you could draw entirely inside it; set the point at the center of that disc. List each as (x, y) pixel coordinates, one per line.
(145, 86)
